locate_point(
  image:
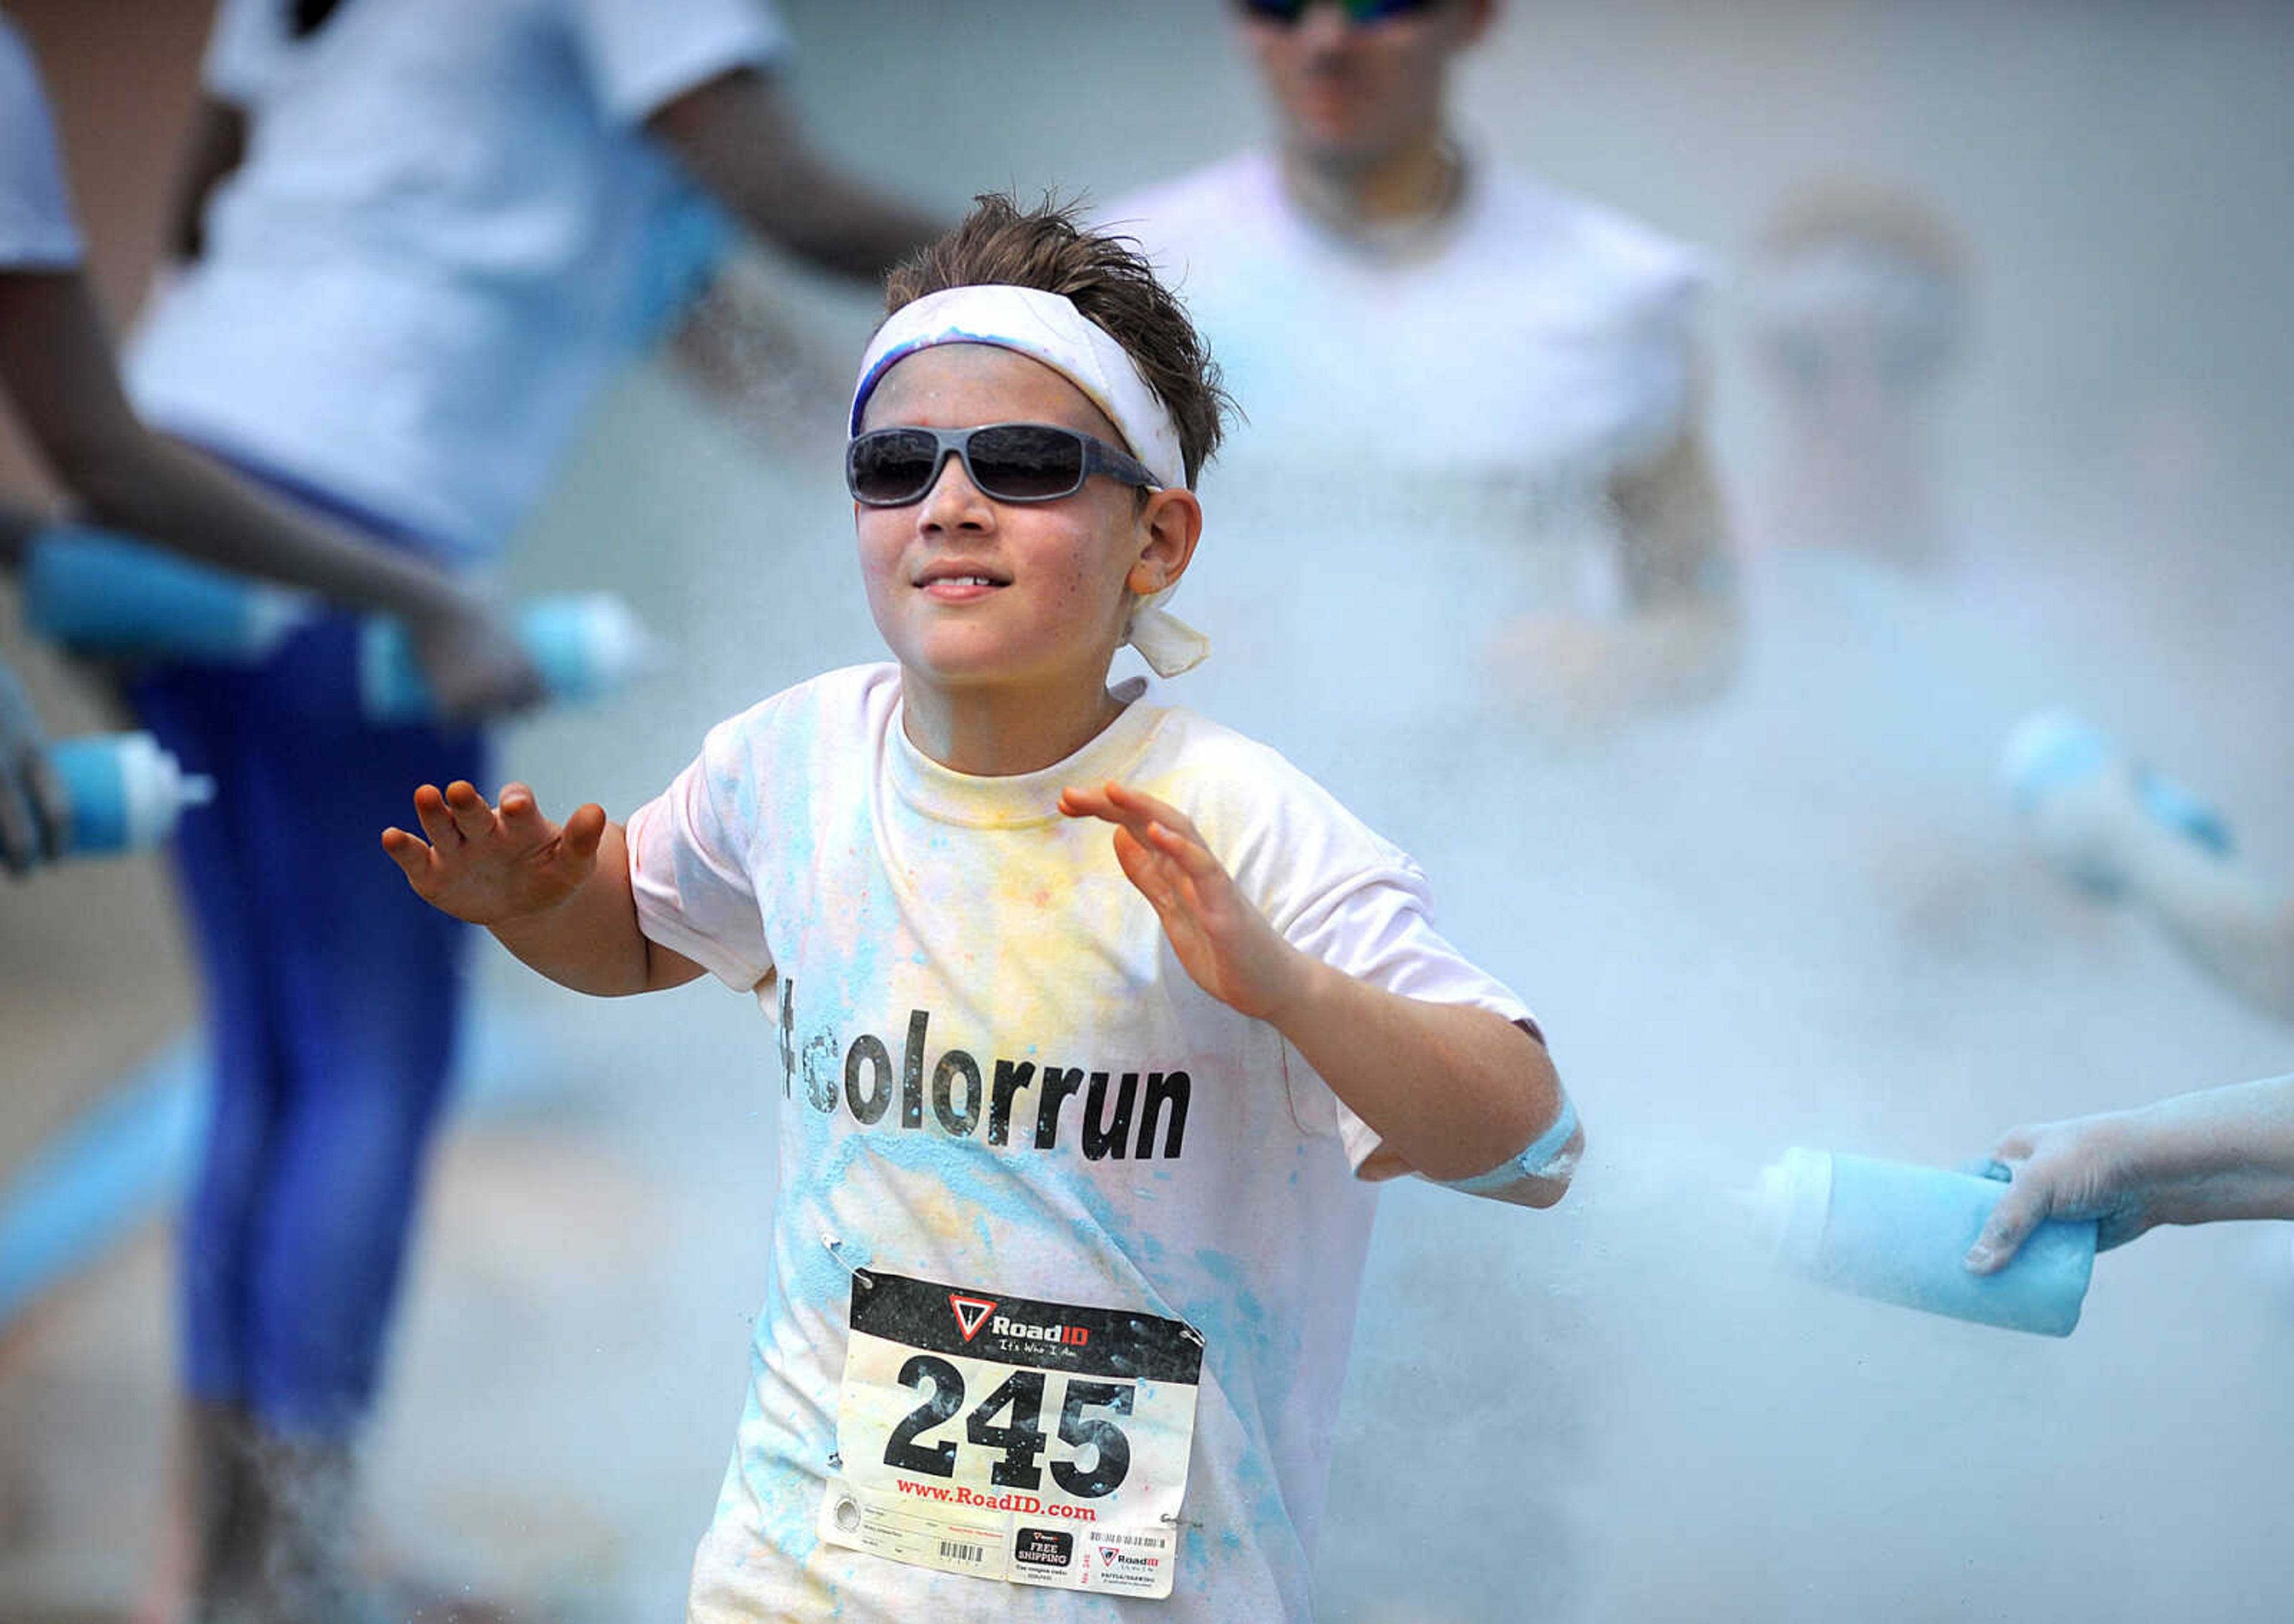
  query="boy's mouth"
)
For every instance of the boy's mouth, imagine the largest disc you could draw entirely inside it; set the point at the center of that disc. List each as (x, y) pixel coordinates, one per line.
(957, 581)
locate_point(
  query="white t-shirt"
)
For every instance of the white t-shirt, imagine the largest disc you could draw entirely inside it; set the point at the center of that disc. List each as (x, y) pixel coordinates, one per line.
(1543, 337)
(1428, 442)
(36, 232)
(425, 268)
(1188, 1166)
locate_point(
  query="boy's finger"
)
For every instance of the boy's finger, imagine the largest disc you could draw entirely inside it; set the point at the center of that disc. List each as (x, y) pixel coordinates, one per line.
(1140, 867)
(472, 816)
(583, 831)
(411, 855)
(1078, 801)
(520, 811)
(1162, 811)
(1186, 849)
(437, 823)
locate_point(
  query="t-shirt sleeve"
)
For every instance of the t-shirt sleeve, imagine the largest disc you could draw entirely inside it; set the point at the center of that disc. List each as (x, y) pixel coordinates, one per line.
(689, 861)
(1377, 927)
(245, 49)
(36, 232)
(642, 54)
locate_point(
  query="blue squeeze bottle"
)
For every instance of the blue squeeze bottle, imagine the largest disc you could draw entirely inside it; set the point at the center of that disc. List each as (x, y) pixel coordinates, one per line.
(127, 792)
(96, 593)
(1898, 1233)
(586, 647)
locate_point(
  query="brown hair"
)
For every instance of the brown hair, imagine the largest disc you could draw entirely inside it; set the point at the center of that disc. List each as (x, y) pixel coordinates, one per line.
(1107, 278)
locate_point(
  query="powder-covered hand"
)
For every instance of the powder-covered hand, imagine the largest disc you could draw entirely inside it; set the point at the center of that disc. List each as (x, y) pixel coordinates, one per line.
(2087, 1168)
(492, 866)
(1222, 940)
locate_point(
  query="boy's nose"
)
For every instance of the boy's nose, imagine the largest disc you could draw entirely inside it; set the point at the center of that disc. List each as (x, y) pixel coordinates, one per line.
(953, 502)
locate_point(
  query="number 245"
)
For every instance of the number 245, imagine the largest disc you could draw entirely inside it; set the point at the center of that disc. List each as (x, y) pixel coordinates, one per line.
(1022, 1441)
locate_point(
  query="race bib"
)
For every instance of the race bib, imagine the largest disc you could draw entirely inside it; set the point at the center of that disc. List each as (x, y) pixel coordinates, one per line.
(1002, 1438)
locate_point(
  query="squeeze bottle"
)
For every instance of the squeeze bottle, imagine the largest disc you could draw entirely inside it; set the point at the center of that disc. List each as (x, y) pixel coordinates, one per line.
(100, 593)
(586, 647)
(1897, 1233)
(127, 792)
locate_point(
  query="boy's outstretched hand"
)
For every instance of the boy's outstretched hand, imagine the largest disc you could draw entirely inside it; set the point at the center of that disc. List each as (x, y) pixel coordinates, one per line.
(1222, 940)
(490, 867)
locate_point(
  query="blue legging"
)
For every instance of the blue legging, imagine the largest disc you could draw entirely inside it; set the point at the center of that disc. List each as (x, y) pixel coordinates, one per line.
(333, 995)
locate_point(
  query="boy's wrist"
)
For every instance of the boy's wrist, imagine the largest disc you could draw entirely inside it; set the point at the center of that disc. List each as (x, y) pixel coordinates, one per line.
(1302, 983)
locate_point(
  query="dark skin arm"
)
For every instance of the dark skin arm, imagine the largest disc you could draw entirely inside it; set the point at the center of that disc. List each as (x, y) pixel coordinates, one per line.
(739, 139)
(56, 369)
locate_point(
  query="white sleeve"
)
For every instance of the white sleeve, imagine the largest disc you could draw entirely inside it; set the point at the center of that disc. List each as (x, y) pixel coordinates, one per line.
(689, 850)
(36, 232)
(245, 48)
(642, 54)
(1377, 929)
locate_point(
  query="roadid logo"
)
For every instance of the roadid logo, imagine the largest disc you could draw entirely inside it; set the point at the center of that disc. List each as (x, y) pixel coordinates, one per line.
(1019, 1330)
(971, 1312)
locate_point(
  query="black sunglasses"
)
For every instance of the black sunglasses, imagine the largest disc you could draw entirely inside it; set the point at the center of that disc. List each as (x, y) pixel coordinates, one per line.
(1012, 462)
(1287, 12)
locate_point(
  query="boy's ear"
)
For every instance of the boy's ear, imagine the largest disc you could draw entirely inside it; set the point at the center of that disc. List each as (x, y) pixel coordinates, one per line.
(1170, 524)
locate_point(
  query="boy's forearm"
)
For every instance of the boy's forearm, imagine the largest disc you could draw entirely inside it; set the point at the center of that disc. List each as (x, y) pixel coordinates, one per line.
(591, 941)
(1451, 1090)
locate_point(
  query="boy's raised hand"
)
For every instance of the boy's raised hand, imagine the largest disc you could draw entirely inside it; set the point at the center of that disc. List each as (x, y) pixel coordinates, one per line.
(489, 866)
(1222, 940)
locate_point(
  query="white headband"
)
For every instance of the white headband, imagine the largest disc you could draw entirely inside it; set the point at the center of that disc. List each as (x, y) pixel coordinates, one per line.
(1048, 327)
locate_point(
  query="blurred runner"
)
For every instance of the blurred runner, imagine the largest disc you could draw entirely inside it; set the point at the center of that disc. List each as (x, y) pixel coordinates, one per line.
(419, 235)
(1489, 388)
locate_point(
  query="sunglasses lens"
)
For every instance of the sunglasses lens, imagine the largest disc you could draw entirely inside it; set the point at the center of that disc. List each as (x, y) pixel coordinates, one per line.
(1024, 462)
(1289, 11)
(891, 466)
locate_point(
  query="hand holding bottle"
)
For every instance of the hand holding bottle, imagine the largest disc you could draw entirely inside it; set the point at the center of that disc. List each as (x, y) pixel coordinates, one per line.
(471, 659)
(2222, 1153)
(35, 815)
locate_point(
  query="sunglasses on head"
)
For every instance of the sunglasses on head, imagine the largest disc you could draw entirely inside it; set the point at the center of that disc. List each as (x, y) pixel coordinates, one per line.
(1011, 462)
(1286, 13)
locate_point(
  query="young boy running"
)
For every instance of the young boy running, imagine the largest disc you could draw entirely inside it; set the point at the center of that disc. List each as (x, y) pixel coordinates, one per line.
(1080, 1135)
